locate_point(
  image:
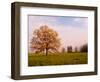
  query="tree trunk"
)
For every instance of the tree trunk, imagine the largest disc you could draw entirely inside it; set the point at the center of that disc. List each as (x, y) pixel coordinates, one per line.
(46, 51)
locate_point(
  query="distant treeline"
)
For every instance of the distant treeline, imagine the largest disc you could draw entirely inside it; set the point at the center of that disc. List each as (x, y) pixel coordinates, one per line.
(83, 48)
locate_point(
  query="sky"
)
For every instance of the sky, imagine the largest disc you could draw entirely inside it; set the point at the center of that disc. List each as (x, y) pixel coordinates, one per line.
(71, 30)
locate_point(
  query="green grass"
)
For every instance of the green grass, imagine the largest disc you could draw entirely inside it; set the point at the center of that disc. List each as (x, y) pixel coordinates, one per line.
(57, 59)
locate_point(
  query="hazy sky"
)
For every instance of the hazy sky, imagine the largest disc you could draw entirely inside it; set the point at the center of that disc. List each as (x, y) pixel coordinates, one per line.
(72, 30)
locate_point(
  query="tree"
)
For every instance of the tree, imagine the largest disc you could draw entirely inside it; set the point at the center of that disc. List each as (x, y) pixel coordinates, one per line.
(84, 48)
(63, 50)
(69, 49)
(76, 49)
(44, 40)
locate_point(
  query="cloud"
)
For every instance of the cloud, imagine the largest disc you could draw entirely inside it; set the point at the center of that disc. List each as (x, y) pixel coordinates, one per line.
(77, 19)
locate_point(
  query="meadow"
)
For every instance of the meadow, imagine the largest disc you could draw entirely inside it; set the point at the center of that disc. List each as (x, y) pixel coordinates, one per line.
(57, 59)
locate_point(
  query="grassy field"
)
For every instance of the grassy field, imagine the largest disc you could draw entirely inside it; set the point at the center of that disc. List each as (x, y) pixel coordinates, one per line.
(57, 59)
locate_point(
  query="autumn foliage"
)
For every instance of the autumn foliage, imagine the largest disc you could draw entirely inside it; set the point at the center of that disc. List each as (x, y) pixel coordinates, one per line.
(45, 40)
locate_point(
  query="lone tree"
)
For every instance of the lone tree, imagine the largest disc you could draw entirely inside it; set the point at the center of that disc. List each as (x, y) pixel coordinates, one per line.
(44, 40)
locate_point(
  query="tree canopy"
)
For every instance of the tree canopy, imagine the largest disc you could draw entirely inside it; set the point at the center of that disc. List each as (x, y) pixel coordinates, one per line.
(45, 40)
